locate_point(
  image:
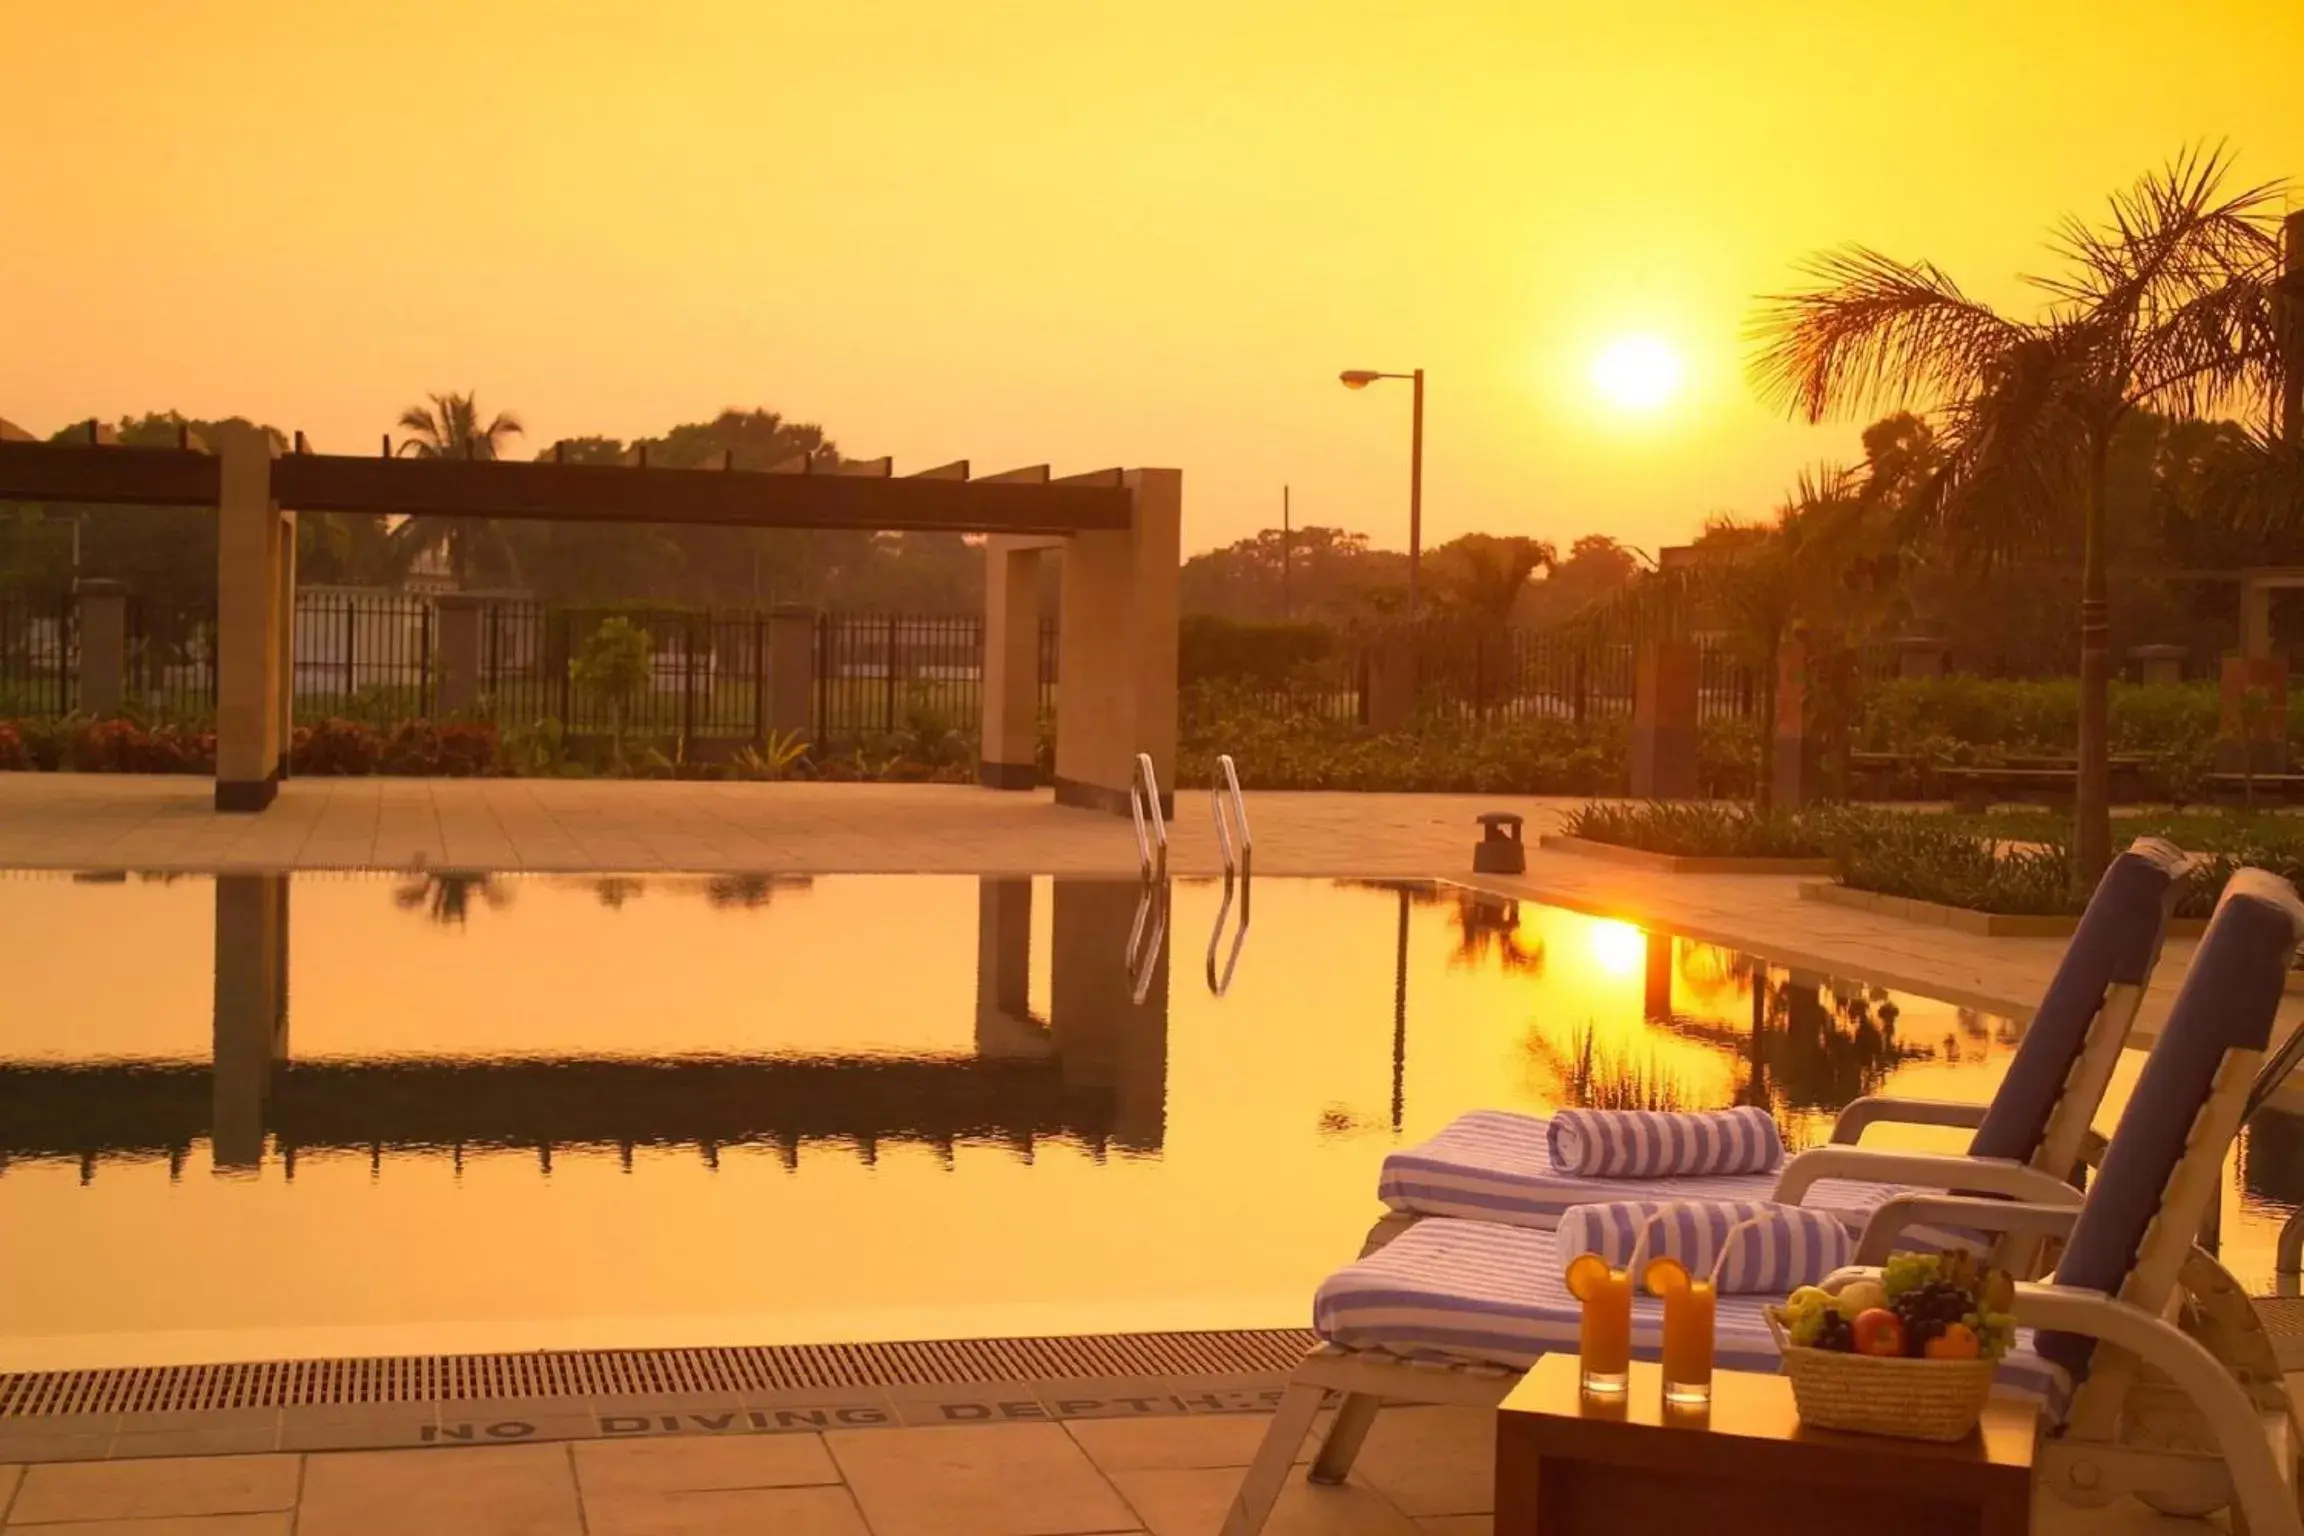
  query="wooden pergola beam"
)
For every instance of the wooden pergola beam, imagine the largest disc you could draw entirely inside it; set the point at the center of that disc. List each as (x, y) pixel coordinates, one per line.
(867, 497)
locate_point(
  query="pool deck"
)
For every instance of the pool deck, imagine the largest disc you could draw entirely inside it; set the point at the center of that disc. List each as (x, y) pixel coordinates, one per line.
(1425, 1471)
(1422, 1472)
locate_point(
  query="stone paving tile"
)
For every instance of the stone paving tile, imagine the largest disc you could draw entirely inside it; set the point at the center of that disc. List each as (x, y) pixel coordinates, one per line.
(10, 1477)
(46, 1448)
(695, 1463)
(1432, 1461)
(366, 1426)
(1193, 1502)
(514, 1423)
(978, 1480)
(123, 1490)
(1184, 1442)
(220, 1440)
(824, 1511)
(517, 1490)
(281, 1523)
(1457, 1525)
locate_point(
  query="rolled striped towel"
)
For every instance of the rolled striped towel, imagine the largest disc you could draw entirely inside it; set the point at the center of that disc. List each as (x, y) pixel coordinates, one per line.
(1745, 1246)
(1651, 1144)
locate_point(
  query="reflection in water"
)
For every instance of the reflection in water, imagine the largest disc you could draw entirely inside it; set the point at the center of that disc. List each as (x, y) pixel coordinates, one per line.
(595, 1111)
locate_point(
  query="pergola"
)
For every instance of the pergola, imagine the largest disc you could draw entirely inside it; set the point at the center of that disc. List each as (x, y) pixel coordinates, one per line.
(1118, 530)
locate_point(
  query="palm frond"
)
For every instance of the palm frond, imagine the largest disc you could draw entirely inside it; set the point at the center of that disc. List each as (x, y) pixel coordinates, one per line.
(1873, 333)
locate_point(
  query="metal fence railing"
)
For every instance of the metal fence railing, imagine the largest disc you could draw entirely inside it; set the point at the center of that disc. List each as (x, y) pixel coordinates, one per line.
(376, 656)
(39, 658)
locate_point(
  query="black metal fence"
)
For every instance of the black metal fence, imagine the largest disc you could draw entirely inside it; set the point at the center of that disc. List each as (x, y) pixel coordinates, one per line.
(376, 656)
(39, 655)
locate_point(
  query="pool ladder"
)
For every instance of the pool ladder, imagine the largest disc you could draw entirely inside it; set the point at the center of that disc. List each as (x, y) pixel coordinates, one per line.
(1230, 809)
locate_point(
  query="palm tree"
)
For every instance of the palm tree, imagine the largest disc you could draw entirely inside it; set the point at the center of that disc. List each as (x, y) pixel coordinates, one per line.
(2169, 305)
(1491, 572)
(448, 426)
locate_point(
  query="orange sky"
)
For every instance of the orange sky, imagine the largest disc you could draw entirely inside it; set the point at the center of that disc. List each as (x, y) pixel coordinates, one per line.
(1061, 230)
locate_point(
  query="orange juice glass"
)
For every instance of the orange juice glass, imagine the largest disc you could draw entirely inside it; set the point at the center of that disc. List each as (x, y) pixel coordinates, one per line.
(1605, 1340)
(1688, 1320)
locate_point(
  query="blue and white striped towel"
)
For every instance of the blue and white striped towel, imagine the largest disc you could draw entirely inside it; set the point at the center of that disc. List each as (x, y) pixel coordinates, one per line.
(1770, 1248)
(1647, 1144)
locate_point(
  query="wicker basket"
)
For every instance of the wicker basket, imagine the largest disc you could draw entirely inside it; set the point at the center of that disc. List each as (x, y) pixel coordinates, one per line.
(1883, 1394)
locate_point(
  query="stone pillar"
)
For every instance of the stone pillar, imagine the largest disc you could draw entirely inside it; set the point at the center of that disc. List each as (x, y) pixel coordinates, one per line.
(248, 583)
(1008, 756)
(102, 618)
(792, 671)
(1664, 687)
(1104, 1038)
(1392, 657)
(2157, 664)
(1921, 656)
(1118, 631)
(2263, 749)
(456, 653)
(251, 1018)
(1796, 761)
(2255, 617)
(1005, 1028)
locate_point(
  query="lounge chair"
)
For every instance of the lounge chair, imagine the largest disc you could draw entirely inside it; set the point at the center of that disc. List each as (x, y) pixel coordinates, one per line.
(1453, 1311)
(1496, 1166)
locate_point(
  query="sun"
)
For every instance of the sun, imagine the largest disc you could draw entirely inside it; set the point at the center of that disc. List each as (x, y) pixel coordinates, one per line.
(1637, 373)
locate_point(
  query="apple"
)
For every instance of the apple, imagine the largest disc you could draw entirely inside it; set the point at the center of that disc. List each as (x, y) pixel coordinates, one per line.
(1958, 1341)
(1878, 1332)
(1858, 1297)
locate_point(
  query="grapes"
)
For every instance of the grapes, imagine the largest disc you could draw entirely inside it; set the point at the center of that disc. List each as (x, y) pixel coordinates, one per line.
(1904, 1271)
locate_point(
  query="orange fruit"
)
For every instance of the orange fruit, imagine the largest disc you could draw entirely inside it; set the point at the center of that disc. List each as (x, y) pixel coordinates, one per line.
(1587, 1273)
(1665, 1276)
(1958, 1341)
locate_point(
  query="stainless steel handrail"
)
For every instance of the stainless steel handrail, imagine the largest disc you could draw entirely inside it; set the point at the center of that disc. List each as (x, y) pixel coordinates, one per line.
(1230, 809)
(1152, 846)
(1144, 958)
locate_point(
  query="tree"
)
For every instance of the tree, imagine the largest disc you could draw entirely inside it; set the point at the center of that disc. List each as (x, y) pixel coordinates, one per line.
(2169, 304)
(1487, 575)
(448, 426)
(616, 661)
(1596, 570)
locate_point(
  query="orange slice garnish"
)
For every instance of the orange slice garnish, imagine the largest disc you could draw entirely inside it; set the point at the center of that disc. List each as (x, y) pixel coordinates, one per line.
(1665, 1276)
(1587, 1274)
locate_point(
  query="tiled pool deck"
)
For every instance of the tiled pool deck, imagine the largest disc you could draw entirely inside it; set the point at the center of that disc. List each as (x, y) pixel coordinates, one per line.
(1425, 1470)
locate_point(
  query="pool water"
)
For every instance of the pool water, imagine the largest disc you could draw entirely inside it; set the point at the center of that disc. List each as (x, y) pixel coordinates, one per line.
(257, 1116)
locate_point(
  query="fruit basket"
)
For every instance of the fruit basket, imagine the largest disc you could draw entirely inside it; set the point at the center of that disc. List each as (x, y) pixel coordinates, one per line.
(1911, 1355)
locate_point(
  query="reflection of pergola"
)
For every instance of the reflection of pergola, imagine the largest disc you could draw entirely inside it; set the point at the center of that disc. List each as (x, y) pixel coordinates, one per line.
(1119, 533)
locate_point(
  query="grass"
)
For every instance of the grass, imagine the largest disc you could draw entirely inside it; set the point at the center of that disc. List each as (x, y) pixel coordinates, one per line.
(1718, 829)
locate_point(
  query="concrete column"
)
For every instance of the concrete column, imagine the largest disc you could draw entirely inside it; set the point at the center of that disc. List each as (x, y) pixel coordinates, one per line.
(1103, 1037)
(284, 633)
(1796, 761)
(2263, 748)
(251, 1018)
(1005, 1028)
(2291, 318)
(1664, 688)
(456, 653)
(1392, 658)
(1008, 757)
(248, 681)
(2255, 617)
(102, 619)
(1118, 633)
(2158, 663)
(792, 670)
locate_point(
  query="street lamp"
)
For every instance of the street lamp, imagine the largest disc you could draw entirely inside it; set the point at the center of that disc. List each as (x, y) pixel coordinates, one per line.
(1361, 378)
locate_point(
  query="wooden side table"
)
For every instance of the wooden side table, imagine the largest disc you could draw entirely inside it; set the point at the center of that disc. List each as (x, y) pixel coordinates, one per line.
(1568, 1464)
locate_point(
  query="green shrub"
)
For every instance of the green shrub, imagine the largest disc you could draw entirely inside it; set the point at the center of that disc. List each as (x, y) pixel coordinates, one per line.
(1948, 859)
(1719, 829)
(1974, 719)
(13, 756)
(334, 748)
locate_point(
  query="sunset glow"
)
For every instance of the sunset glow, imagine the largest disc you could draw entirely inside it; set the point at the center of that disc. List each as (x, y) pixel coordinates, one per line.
(1638, 373)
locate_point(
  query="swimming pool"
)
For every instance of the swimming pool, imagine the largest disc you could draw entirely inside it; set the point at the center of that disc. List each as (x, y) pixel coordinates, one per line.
(254, 1116)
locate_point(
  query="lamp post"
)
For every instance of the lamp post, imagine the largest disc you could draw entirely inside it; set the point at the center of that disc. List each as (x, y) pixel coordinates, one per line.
(1361, 378)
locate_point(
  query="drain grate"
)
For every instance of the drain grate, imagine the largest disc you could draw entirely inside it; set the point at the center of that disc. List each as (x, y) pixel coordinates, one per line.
(645, 1372)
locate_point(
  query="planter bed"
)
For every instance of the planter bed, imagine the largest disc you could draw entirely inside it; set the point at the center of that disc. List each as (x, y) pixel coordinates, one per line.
(1682, 863)
(1996, 925)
